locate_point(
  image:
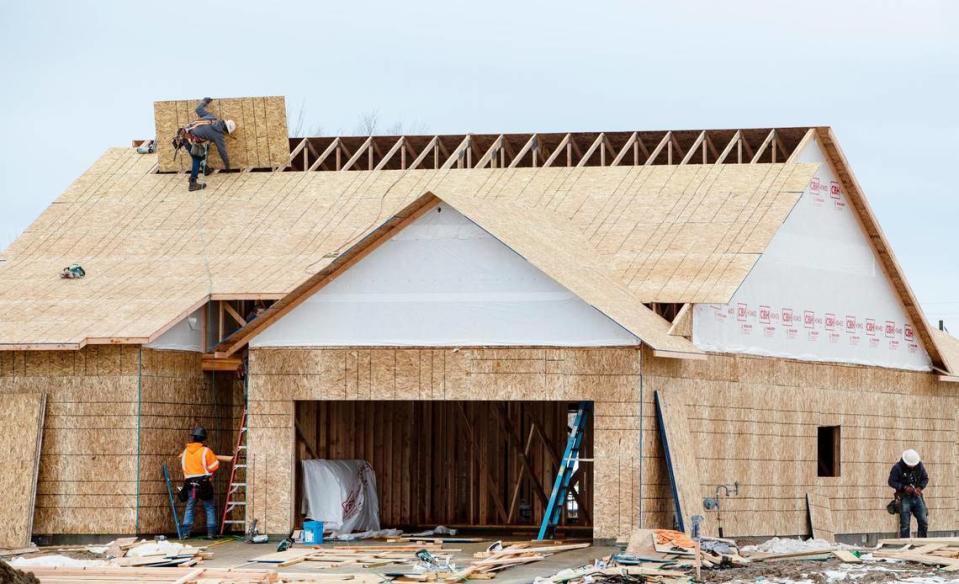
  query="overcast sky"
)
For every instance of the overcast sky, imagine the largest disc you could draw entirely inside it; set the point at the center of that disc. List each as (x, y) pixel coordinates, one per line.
(81, 76)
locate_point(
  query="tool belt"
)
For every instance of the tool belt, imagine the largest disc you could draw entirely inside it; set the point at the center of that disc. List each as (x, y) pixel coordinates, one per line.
(894, 507)
(198, 487)
(198, 148)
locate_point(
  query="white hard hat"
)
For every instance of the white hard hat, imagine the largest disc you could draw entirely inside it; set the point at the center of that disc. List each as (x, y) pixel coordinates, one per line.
(230, 126)
(911, 457)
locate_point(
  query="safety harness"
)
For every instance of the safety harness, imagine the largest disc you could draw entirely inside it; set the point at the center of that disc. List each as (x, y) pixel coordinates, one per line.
(185, 136)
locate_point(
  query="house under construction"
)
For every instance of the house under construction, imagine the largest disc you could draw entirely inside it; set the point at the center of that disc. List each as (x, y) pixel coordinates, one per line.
(439, 306)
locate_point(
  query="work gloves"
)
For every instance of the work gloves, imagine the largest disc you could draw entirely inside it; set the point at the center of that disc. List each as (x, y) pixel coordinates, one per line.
(914, 491)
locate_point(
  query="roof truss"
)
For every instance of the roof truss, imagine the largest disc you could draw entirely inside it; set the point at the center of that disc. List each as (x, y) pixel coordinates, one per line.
(536, 150)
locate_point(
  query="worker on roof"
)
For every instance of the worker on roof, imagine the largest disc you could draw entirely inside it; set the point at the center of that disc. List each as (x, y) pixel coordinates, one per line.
(908, 477)
(199, 134)
(199, 463)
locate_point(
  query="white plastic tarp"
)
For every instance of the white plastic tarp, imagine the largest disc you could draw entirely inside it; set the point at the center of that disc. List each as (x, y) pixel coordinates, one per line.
(818, 293)
(444, 281)
(341, 494)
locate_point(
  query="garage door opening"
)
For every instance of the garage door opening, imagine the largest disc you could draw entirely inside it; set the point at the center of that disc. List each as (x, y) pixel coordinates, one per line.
(483, 465)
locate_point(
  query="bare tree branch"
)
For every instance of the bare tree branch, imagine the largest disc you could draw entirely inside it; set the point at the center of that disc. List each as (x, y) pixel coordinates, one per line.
(297, 128)
(367, 123)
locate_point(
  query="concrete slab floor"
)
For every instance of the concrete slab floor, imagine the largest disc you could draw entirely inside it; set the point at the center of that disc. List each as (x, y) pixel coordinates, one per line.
(234, 553)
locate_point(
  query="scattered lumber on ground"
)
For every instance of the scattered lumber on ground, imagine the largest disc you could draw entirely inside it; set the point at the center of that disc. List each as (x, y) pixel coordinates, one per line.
(438, 567)
(123, 552)
(667, 558)
(361, 556)
(112, 575)
(931, 551)
(434, 539)
(659, 558)
(494, 560)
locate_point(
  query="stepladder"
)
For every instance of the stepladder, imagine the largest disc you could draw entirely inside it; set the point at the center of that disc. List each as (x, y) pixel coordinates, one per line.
(564, 474)
(234, 515)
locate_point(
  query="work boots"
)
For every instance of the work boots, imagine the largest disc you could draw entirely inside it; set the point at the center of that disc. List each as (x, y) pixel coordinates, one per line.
(196, 185)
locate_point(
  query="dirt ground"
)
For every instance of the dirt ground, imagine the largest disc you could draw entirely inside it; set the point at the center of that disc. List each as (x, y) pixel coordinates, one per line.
(9, 575)
(819, 572)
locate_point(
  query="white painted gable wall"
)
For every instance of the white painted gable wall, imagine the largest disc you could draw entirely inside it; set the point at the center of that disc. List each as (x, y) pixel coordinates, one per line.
(443, 281)
(819, 292)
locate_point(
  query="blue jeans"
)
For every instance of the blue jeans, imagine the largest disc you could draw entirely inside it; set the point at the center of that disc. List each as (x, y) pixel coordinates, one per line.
(912, 505)
(197, 162)
(210, 508)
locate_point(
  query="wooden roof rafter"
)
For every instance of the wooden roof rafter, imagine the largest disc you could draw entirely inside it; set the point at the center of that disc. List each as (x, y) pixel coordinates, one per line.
(531, 146)
(489, 157)
(699, 142)
(770, 139)
(667, 139)
(734, 143)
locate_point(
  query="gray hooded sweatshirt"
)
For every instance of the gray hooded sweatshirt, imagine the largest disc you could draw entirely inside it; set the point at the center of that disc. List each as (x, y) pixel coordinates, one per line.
(215, 132)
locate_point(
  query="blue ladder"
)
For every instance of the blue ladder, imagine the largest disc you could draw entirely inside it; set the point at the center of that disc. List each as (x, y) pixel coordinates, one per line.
(169, 490)
(567, 466)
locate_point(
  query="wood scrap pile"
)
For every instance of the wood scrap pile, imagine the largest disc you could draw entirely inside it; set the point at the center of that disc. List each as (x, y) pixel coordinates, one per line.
(433, 539)
(361, 556)
(197, 575)
(932, 551)
(499, 558)
(670, 557)
(123, 552)
(807, 555)
(610, 574)
(676, 550)
(429, 561)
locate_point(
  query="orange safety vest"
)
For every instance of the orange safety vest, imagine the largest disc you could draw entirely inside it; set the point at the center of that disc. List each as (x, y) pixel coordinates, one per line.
(198, 461)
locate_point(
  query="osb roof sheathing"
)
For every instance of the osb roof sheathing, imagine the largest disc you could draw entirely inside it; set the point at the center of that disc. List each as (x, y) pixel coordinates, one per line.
(154, 251)
(948, 349)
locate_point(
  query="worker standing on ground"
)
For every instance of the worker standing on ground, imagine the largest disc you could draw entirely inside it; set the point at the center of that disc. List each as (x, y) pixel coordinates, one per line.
(908, 477)
(198, 135)
(199, 463)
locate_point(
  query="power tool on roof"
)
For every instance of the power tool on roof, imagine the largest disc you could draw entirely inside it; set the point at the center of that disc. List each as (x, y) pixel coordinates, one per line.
(73, 272)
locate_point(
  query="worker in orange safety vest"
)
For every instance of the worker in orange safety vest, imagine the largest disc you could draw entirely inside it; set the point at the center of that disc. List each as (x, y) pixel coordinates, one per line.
(199, 463)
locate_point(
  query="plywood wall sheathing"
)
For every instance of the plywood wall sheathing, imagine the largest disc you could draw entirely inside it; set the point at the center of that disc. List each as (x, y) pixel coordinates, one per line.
(608, 377)
(680, 456)
(21, 417)
(260, 140)
(176, 396)
(666, 233)
(820, 517)
(754, 421)
(87, 476)
(99, 402)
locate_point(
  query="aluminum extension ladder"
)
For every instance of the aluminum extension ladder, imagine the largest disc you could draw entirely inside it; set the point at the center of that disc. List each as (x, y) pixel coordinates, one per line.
(236, 492)
(564, 475)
